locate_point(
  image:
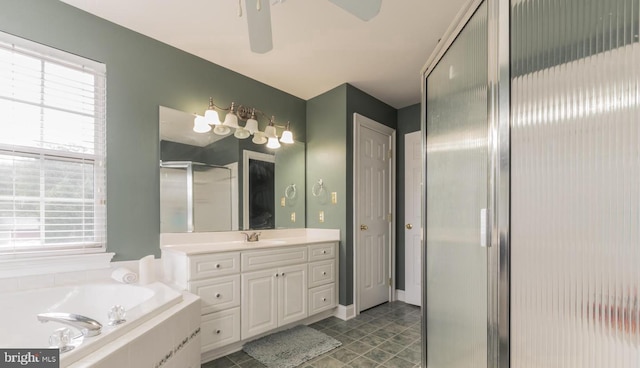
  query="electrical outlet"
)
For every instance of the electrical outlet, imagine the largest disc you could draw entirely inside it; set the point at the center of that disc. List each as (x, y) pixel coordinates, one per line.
(321, 216)
(283, 202)
(293, 217)
(334, 197)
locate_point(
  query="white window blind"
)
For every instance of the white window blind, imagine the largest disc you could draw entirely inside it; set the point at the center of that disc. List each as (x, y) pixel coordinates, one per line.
(52, 150)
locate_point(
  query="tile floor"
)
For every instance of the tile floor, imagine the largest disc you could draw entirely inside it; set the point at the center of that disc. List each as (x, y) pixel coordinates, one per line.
(385, 336)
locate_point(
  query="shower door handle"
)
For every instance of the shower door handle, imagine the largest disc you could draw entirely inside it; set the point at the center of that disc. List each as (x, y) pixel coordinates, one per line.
(364, 227)
(483, 228)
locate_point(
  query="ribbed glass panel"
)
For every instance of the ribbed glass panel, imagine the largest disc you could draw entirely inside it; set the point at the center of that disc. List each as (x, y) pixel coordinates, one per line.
(456, 264)
(575, 183)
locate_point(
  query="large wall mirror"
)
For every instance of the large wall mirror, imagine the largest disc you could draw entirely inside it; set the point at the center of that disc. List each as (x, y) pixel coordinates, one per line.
(210, 182)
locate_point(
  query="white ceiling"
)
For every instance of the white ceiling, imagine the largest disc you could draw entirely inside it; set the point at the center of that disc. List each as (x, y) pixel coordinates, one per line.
(316, 45)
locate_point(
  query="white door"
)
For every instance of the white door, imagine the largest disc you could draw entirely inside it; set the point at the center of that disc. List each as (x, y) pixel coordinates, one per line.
(259, 302)
(373, 211)
(292, 294)
(412, 218)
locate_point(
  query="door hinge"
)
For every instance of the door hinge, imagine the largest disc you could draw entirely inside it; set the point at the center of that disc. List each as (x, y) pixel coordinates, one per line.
(389, 281)
(389, 217)
(390, 155)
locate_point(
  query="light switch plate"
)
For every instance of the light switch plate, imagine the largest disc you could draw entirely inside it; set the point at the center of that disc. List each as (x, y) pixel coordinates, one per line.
(334, 197)
(321, 216)
(293, 217)
(283, 202)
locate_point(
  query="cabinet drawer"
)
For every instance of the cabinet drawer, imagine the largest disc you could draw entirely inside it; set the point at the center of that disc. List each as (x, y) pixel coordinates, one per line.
(217, 294)
(322, 298)
(322, 272)
(261, 259)
(319, 252)
(219, 329)
(212, 265)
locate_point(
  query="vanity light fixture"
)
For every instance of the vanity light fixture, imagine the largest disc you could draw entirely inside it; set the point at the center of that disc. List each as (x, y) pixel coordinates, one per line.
(203, 124)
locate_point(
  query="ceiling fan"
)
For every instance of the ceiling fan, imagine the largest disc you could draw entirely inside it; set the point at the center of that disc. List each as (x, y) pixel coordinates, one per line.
(259, 18)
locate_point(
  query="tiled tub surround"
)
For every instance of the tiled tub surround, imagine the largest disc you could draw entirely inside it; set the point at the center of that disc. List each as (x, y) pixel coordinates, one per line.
(250, 289)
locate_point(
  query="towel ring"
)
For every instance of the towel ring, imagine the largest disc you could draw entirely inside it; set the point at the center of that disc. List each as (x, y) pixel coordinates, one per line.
(290, 191)
(318, 188)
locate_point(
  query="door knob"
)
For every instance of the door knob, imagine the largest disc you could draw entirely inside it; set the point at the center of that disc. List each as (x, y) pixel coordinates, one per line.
(409, 226)
(364, 227)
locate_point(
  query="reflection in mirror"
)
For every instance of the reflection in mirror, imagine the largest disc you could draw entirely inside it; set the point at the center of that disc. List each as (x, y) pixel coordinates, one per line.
(183, 184)
(203, 185)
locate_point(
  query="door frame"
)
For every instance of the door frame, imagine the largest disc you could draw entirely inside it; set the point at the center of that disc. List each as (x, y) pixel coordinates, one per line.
(246, 156)
(360, 121)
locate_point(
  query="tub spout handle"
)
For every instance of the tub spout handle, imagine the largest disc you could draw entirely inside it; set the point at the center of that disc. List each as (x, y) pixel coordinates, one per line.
(87, 326)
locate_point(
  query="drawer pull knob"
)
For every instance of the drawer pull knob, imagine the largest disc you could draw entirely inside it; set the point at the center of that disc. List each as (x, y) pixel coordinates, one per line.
(218, 295)
(282, 274)
(324, 252)
(218, 332)
(324, 273)
(324, 299)
(217, 265)
(277, 275)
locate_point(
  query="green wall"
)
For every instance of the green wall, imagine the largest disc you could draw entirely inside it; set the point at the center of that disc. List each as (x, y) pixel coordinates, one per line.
(326, 152)
(408, 122)
(141, 74)
(330, 157)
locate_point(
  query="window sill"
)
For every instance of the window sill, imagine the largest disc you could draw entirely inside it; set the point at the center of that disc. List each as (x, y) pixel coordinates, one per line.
(19, 267)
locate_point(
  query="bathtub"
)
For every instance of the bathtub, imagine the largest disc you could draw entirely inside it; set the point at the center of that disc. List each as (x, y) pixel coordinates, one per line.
(21, 329)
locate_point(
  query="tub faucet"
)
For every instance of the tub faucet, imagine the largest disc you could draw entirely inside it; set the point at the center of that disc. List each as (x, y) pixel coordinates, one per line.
(87, 326)
(253, 237)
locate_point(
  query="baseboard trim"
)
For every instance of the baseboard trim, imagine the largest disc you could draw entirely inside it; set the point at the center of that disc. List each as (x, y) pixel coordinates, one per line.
(400, 295)
(345, 312)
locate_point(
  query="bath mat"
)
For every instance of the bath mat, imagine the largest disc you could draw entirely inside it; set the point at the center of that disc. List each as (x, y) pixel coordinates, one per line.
(290, 348)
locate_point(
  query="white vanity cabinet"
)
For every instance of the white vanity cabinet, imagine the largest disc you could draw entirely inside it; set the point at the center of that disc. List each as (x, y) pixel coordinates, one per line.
(273, 298)
(249, 289)
(216, 279)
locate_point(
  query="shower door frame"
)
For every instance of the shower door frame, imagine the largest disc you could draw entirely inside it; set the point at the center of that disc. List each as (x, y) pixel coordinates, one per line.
(498, 185)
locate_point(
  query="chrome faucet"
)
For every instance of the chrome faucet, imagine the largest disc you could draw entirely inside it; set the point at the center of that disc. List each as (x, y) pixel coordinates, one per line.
(87, 326)
(250, 238)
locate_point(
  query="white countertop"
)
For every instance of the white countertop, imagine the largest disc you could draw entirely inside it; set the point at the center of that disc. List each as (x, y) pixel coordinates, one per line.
(214, 242)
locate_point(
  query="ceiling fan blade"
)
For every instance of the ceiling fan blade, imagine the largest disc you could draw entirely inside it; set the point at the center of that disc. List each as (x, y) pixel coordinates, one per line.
(363, 9)
(259, 22)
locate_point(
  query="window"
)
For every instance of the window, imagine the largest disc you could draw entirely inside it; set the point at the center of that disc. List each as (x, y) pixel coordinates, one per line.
(52, 150)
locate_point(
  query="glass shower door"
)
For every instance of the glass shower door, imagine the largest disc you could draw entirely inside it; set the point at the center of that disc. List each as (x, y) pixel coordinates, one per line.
(456, 196)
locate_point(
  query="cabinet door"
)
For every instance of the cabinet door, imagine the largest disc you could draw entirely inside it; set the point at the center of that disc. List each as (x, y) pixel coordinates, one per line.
(259, 302)
(292, 294)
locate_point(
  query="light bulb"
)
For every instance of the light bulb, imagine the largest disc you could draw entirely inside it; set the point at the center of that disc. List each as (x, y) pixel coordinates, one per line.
(212, 117)
(259, 138)
(221, 130)
(241, 133)
(200, 125)
(252, 125)
(273, 143)
(287, 137)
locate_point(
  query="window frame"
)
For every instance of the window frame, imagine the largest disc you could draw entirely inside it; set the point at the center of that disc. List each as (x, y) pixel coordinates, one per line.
(97, 158)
